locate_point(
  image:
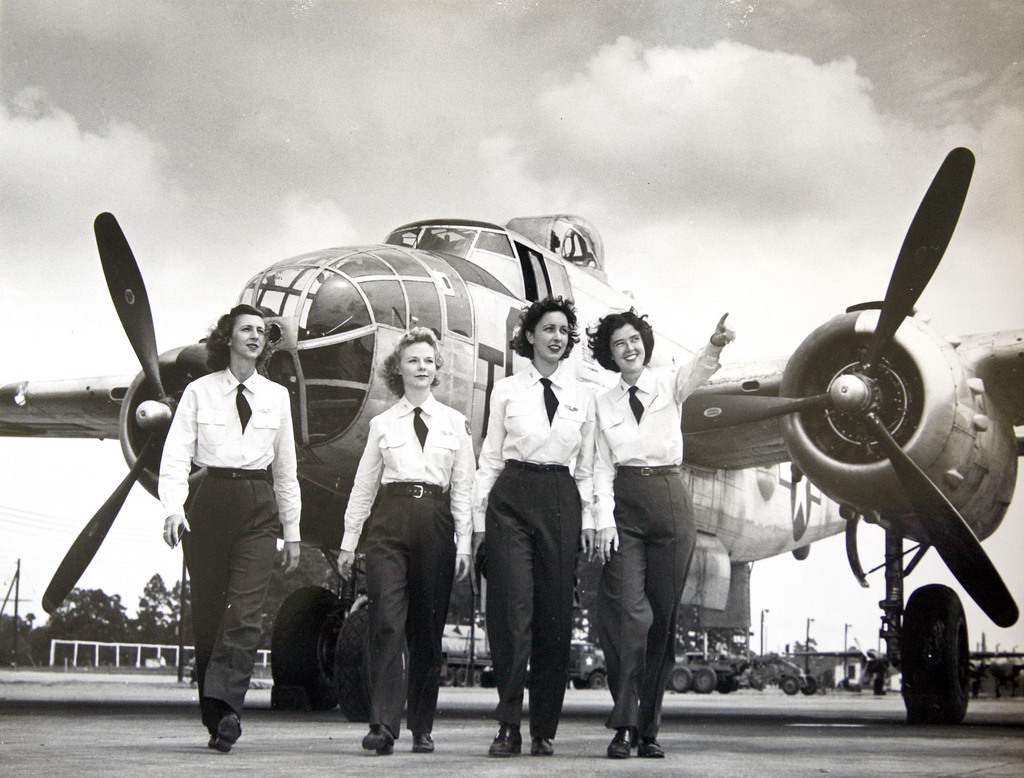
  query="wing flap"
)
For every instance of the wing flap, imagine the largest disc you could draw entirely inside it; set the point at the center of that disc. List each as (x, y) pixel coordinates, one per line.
(747, 445)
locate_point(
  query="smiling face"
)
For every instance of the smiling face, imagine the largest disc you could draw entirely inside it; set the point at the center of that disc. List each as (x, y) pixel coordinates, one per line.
(248, 338)
(550, 338)
(418, 367)
(627, 347)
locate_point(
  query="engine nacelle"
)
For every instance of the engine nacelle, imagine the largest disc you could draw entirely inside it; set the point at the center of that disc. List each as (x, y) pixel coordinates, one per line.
(178, 368)
(931, 404)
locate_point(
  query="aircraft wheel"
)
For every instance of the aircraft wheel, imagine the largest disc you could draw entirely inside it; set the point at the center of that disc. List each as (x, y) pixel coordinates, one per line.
(350, 662)
(302, 644)
(790, 685)
(936, 657)
(704, 680)
(597, 680)
(680, 680)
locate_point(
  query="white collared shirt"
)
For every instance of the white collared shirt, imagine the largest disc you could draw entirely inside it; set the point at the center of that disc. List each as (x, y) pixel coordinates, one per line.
(657, 440)
(393, 453)
(206, 430)
(518, 428)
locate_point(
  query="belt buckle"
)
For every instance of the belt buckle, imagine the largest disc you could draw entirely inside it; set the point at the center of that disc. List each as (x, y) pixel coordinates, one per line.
(417, 491)
(645, 471)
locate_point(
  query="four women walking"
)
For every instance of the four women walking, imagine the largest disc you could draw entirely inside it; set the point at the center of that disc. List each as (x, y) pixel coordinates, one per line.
(560, 473)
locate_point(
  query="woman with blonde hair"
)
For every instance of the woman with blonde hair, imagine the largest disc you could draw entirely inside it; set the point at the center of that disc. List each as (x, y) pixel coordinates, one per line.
(418, 465)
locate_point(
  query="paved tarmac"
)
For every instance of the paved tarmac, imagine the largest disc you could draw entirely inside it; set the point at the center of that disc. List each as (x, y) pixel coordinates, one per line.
(93, 723)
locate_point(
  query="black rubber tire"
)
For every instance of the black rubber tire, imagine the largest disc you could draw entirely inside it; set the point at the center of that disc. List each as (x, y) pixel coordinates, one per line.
(810, 687)
(790, 684)
(302, 644)
(726, 684)
(936, 657)
(351, 658)
(704, 680)
(597, 680)
(680, 680)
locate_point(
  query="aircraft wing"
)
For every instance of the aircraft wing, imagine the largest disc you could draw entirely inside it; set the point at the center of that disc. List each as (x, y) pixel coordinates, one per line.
(741, 446)
(997, 358)
(71, 408)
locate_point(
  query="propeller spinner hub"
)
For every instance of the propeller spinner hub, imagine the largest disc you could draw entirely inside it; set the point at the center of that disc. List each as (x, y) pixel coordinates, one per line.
(153, 415)
(851, 393)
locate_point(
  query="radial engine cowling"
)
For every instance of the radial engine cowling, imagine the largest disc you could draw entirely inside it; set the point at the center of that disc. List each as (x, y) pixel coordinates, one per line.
(178, 368)
(928, 400)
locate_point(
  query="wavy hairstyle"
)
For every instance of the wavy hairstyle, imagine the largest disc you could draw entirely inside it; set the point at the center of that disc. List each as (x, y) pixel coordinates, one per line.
(218, 349)
(599, 338)
(531, 316)
(390, 370)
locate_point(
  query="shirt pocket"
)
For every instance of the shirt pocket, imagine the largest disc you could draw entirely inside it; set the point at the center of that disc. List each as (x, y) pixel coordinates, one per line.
(568, 421)
(659, 402)
(395, 451)
(211, 431)
(520, 418)
(442, 446)
(265, 424)
(619, 435)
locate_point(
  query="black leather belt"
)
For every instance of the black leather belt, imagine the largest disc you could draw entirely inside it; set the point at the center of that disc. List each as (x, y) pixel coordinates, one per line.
(645, 472)
(411, 489)
(237, 472)
(535, 467)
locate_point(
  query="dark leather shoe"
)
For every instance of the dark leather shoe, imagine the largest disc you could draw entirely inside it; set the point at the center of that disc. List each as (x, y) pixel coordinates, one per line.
(508, 741)
(622, 743)
(423, 743)
(541, 746)
(379, 739)
(650, 749)
(228, 731)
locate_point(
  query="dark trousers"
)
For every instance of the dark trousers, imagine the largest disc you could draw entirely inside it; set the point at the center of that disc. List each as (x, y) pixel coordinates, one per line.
(533, 532)
(410, 562)
(230, 556)
(638, 597)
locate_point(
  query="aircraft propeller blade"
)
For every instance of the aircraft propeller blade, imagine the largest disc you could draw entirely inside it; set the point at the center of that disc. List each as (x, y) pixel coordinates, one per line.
(128, 293)
(922, 249)
(716, 411)
(88, 541)
(949, 534)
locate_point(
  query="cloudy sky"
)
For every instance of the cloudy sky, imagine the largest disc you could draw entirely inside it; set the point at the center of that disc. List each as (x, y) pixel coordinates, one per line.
(759, 158)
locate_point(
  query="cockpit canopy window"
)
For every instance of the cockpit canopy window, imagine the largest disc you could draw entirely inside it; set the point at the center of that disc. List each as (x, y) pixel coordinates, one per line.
(457, 241)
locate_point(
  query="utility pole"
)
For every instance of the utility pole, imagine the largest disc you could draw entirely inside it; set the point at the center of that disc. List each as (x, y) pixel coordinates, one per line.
(807, 648)
(763, 611)
(17, 596)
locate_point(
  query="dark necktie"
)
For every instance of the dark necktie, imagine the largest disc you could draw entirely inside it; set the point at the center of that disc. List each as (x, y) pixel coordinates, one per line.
(635, 404)
(244, 411)
(419, 426)
(550, 401)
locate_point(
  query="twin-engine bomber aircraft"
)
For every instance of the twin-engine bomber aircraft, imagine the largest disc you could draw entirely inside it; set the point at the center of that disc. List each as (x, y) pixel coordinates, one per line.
(893, 424)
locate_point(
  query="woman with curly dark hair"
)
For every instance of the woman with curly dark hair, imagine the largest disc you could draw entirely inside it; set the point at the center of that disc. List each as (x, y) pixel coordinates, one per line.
(419, 457)
(645, 526)
(536, 513)
(238, 425)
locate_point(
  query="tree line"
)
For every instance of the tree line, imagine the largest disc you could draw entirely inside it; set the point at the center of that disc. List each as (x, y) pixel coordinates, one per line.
(94, 615)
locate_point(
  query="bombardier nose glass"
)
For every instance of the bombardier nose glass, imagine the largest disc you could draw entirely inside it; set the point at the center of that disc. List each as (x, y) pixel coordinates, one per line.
(334, 304)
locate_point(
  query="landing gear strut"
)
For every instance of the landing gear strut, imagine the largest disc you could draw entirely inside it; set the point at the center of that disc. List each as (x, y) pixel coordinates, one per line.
(927, 641)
